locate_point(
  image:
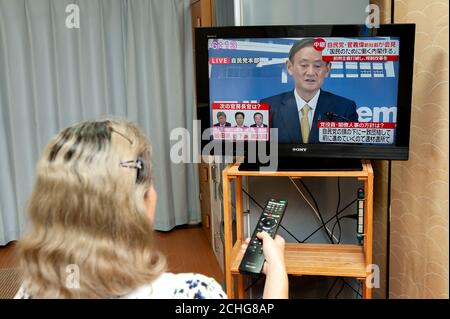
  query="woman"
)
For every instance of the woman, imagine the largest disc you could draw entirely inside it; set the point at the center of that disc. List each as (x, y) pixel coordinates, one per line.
(91, 213)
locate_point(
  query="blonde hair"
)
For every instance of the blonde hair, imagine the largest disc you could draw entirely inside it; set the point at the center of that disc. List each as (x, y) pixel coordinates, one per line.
(87, 209)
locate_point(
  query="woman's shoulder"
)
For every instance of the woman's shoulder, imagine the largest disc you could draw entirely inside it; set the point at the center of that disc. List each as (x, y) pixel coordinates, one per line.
(180, 286)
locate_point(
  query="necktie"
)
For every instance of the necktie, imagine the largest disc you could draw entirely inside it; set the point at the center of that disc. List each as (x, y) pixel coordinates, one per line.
(305, 123)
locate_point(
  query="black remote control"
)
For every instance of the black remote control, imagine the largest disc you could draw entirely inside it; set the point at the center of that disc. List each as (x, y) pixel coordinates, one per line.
(253, 260)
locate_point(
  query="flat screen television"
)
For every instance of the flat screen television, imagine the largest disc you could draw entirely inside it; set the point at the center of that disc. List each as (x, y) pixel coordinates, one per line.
(314, 91)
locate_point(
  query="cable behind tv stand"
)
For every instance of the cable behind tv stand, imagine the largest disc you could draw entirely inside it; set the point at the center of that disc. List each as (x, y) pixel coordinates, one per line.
(301, 259)
(307, 164)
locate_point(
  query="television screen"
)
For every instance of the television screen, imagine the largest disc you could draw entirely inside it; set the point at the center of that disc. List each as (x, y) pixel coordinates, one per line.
(315, 91)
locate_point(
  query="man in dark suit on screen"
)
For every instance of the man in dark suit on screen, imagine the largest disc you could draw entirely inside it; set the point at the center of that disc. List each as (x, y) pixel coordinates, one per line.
(295, 113)
(222, 120)
(258, 118)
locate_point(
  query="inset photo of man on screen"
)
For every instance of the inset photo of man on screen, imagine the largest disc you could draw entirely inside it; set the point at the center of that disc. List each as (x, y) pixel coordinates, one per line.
(240, 121)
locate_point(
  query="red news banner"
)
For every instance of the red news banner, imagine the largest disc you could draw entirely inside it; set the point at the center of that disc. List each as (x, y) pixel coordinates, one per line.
(357, 50)
(356, 132)
(246, 132)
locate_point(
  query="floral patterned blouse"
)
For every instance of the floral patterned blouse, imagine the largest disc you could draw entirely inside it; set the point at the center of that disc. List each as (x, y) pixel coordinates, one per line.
(169, 286)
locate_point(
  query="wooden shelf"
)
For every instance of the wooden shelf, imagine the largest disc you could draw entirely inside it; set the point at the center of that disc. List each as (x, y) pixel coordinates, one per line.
(341, 260)
(315, 259)
(233, 170)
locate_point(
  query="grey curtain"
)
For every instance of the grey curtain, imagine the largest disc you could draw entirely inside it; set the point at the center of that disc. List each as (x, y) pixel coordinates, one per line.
(129, 59)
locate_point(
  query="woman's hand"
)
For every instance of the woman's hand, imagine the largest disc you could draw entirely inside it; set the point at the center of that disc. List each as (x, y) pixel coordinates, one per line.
(273, 250)
(276, 285)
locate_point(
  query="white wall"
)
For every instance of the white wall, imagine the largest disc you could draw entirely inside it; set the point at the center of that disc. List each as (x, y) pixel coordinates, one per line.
(279, 12)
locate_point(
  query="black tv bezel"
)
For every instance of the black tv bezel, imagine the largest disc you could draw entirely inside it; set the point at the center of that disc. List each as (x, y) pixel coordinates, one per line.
(406, 34)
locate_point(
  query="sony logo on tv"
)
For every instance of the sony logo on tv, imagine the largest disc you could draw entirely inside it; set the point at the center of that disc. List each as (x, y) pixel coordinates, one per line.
(299, 149)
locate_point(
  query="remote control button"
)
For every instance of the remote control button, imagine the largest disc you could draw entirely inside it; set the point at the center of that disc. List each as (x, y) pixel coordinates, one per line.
(268, 222)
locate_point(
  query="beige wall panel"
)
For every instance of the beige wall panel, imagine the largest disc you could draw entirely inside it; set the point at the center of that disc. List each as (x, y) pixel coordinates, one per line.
(419, 225)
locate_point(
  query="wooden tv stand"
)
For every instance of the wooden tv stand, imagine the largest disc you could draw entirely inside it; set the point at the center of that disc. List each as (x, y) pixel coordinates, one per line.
(301, 259)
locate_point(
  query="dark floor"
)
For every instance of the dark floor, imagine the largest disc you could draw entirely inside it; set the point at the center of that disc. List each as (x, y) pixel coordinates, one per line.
(187, 250)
